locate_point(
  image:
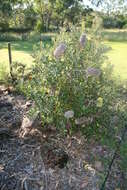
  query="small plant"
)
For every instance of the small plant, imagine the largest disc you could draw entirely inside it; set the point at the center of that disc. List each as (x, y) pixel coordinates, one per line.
(4, 76)
(18, 72)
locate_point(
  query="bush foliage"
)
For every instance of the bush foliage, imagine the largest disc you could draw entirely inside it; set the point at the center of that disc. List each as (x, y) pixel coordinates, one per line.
(69, 84)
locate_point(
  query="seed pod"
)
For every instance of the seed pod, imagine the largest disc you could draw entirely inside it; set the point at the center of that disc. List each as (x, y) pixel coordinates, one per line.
(93, 72)
(84, 120)
(69, 114)
(59, 51)
(82, 40)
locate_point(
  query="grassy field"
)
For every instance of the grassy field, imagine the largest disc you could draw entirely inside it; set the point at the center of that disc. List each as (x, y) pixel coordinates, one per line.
(118, 57)
(22, 52)
(117, 40)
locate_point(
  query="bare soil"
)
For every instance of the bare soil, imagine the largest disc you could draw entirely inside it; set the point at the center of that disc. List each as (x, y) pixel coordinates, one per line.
(36, 158)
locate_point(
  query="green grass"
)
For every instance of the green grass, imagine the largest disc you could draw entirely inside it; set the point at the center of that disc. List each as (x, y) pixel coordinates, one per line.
(21, 52)
(118, 58)
(117, 40)
(19, 46)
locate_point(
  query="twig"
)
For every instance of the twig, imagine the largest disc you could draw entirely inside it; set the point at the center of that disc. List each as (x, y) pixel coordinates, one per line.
(25, 185)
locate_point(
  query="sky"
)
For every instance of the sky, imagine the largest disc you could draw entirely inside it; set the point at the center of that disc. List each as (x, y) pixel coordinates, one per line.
(87, 2)
(110, 5)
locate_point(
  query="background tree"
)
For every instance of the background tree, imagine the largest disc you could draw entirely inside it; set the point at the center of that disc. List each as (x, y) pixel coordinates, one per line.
(5, 13)
(109, 6)
(55, 10)
(46, 15)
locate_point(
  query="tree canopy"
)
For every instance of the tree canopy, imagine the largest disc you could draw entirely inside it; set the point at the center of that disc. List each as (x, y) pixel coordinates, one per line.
(51, 14)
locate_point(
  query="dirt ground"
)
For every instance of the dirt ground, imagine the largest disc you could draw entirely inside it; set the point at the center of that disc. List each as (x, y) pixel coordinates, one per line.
(36, 158)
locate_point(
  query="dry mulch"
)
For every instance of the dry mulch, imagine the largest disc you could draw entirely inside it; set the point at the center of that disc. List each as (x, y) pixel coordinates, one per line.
(32, 158)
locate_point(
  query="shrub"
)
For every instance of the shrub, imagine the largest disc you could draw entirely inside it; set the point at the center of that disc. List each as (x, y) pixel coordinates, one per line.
(114, 22)
(72, 90)
(18, 72)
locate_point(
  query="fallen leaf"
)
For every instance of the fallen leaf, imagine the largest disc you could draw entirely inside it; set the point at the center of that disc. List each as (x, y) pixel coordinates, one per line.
(1, 167)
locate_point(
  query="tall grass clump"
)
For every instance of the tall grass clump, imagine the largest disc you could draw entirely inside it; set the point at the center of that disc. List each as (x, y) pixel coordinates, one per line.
(115, 35)
(70, 87)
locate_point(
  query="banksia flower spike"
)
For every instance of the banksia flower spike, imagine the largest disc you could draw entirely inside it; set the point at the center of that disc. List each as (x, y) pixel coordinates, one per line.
(69, 114)
(59, 51)
(93, 72)
(82, 40)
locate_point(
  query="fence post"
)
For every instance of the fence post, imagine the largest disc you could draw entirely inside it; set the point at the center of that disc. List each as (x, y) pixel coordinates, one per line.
(10, 59)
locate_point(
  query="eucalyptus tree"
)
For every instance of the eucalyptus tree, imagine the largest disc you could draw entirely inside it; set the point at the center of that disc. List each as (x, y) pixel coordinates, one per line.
(111, 6)
(56, 10)
(6, 11)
